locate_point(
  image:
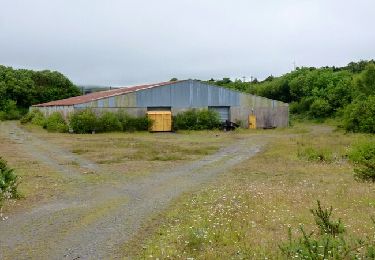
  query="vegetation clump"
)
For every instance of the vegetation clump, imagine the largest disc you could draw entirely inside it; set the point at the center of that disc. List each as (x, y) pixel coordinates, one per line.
(8, 182)
(83, 122)
(34, 117)
(363, 157)
(108, 122)
(360, 115)
(130, 123)
(332, 241)
(9, 110)
(56, 123)
(196, 120)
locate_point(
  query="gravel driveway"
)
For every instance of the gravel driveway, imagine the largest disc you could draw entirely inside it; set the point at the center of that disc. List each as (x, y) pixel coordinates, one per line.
(95, 221)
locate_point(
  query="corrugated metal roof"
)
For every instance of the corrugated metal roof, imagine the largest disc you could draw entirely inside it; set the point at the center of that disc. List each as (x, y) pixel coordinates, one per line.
(102, 94)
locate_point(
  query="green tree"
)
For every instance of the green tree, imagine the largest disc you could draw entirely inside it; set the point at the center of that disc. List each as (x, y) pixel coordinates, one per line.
(359, 116)
(365, 83)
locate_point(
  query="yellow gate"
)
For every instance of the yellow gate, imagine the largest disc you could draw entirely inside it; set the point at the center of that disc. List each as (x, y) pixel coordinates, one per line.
(161, 121)
(252, 122)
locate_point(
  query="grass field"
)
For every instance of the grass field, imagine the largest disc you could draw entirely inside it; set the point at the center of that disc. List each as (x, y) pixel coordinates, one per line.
(243, 213)
(121, 156)
(246, 213)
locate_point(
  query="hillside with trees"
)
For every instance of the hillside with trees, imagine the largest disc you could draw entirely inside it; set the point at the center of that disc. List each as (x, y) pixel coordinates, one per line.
(346, 93)
(21, 88)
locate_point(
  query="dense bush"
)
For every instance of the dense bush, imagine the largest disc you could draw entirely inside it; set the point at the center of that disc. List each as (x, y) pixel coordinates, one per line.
(9, 111)
(196, 120)
(83, 122)
(140, 123)
(360, 115)
(130, 123)
(208, 119)
(363, 156)
(56, 123)
(35, 117)
(8, 182)
(185, 120)
(108, 122)
(332, 241)
(320, 108)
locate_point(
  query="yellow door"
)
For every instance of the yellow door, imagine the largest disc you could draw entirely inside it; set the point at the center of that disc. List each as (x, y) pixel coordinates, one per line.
(252, 122)
(167, 122)
(162, 121)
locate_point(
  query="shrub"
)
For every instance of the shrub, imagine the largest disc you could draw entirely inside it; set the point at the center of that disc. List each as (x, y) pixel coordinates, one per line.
(208, 119)
(56, 123)
(320, 108)
(196, 120)
(359, 116)
(28, 117)
(140, 123)
(108, 122)
(84, 121)
(186, 120)
(130, 123)
(331, 242)
(37, 118)
(8, 182)
(363, 156)
(10, 111)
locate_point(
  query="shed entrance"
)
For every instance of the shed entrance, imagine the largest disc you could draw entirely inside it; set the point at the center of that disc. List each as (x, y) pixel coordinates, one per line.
(223, 112)
(158, 108)
(161, 121)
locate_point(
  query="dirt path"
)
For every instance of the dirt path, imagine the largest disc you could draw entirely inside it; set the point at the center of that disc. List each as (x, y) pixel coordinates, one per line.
(55, 157)
(93, 222)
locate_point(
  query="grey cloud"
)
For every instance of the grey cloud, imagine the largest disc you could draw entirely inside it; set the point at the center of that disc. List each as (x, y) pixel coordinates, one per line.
(127, 42)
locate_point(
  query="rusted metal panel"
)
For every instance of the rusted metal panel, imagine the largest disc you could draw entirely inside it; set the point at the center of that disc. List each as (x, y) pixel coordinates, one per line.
(101, 95)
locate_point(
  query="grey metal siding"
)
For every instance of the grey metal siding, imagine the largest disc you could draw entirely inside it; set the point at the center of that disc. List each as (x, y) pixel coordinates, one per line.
(223, 112)
(187, 94)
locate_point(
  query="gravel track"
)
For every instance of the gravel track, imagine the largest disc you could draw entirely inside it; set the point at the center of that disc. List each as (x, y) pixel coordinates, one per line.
(96, 221)
(55, 157)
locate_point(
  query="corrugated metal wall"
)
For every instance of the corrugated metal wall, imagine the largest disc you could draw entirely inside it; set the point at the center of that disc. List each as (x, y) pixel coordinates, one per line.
(187, 94)
(184, 95)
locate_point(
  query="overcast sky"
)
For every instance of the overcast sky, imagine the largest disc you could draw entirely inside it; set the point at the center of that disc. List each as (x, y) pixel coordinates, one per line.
(123, 42)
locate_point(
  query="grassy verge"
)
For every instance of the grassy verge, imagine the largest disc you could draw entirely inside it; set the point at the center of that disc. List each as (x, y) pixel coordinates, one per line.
(247, 212)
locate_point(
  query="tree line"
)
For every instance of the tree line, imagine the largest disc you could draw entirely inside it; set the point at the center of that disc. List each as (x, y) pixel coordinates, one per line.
(346, 93)
(21, 88)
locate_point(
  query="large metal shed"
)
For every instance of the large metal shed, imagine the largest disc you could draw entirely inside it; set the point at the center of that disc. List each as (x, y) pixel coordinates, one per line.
(178, 96)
